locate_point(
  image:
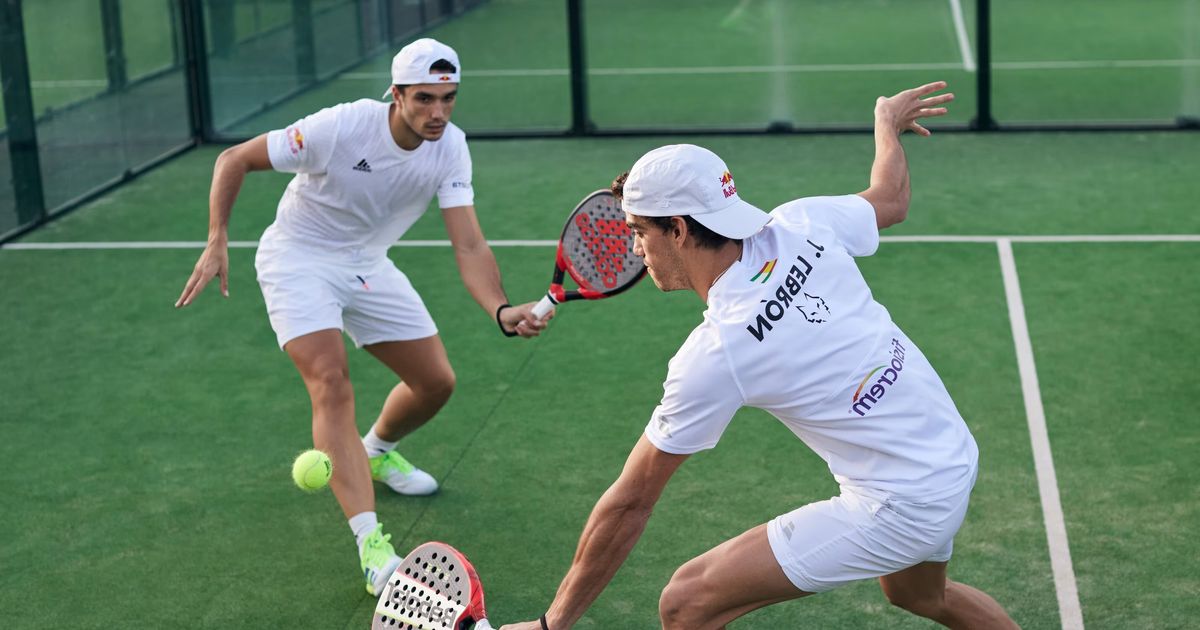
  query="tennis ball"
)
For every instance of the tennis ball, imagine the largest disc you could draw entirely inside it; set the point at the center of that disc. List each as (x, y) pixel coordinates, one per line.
(312, 470)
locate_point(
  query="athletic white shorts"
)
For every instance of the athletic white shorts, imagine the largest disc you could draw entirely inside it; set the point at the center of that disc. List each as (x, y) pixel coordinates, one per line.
(372, 301)
(827, 544)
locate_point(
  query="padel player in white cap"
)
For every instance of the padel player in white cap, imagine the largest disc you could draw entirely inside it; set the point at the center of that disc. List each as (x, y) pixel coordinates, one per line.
(365, 172)
(791, 328)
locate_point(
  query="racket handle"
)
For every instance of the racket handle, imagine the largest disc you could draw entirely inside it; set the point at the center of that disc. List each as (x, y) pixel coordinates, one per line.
(482, 624)
(544, 306)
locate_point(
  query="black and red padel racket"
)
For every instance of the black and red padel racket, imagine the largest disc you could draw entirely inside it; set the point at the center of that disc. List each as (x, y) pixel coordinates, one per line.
(596, 250)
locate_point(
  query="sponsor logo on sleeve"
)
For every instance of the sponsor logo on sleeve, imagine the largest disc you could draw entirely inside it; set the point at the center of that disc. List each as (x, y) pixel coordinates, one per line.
(871, 392)
(295, 140)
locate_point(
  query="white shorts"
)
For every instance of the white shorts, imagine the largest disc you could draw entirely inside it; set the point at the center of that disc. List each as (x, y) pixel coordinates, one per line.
(371, 301)
(850, 537)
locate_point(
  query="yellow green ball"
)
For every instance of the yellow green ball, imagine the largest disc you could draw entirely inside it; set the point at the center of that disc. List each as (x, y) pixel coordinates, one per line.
(312, 470)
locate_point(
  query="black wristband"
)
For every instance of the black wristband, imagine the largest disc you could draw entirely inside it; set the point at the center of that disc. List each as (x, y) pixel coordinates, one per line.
(498, 323)
(543, 620)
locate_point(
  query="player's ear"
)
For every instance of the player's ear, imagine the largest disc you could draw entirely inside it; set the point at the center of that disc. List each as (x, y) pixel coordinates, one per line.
(679, 230)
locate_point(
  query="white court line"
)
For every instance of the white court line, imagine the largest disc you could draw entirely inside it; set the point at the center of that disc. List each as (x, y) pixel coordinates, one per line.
(964, 42)
(1097, 63)
(1056, 529)
(820, 67)
(968, 63)
(736, 12)
(1066, 238)
(69, 83)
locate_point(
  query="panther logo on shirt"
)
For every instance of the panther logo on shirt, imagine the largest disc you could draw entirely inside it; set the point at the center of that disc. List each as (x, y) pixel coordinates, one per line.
(813, 308)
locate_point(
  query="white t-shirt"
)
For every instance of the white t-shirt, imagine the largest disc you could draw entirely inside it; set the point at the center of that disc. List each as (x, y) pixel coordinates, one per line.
(792, 329)
(355, 190)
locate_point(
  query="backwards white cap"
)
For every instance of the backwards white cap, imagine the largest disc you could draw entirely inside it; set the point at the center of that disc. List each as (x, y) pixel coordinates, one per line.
(684, 179)
(411, 66)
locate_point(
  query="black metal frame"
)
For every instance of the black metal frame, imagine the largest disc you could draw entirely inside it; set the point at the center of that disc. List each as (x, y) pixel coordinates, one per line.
(18, 109)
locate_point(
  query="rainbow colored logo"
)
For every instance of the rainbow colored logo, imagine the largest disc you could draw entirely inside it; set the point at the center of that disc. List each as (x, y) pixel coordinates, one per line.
(864, 382)
(767, 268)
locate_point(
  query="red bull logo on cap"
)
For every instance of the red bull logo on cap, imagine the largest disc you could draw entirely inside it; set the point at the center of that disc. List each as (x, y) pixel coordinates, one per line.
(444, 77)
(727, 185)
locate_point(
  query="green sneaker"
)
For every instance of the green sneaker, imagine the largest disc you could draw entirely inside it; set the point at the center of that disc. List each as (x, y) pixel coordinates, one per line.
(378, 560)
(402, 477)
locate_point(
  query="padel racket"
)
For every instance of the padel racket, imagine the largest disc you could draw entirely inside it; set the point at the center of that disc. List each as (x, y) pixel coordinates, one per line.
(596, 250)
(434, 588)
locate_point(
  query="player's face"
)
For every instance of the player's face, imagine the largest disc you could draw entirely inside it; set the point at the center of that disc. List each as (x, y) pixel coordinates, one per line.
(659, 249)
(426, 108)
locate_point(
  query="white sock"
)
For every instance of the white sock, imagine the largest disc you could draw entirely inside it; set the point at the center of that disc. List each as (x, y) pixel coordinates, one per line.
(362, 524)
(375, 445)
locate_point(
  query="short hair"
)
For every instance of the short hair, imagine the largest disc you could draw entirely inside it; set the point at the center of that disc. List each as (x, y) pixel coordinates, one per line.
(705, 238)
(441, 66)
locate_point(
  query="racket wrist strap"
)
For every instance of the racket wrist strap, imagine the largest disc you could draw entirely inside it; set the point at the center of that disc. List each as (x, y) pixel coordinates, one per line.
(543, 620)
(499, 323)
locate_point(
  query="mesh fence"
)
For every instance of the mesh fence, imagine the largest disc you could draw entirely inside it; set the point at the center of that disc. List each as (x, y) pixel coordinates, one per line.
(114, 95)
(513, 52)
(106, 100)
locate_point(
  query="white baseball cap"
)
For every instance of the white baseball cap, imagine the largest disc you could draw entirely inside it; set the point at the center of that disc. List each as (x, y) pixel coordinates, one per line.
(411, 65)
(681, 179)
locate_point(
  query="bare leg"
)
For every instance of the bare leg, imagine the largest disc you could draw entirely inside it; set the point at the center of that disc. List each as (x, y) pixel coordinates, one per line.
(726, 582)
(924, 590)
(427, 382)
(321, 359)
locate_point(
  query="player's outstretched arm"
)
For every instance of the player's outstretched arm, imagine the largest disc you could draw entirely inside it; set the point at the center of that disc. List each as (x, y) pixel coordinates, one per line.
(228, 173)
(481, 275)
(612, 530)
(889, 192)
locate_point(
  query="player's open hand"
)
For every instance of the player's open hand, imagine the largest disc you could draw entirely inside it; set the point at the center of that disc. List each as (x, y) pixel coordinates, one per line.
(522, 320)
(902, 111)
(213, 262)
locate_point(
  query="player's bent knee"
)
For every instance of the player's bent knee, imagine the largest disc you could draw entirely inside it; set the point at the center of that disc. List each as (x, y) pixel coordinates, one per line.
(682, 603)
(438, 389)
(928, 607)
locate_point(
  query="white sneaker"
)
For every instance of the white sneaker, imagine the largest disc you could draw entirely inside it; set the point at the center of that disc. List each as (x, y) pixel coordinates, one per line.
(402, 477)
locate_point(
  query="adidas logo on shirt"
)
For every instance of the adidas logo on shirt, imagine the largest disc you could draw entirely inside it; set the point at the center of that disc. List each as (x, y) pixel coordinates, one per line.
(362, 166)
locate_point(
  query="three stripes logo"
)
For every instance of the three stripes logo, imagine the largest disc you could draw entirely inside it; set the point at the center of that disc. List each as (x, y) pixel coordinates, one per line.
(765, 272)
(362, 166)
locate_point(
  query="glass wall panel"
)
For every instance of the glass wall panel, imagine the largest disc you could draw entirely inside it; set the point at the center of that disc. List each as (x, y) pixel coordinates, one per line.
(755, 64)
(1073, 61)
(90, 132)
(514, 56)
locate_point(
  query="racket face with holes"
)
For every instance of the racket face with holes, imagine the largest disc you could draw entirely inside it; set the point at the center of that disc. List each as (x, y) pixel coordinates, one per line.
(434, 588)
(596, 249)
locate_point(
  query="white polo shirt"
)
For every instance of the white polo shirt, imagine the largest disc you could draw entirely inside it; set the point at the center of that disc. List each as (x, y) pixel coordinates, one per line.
(355, 191)
(791, 328)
